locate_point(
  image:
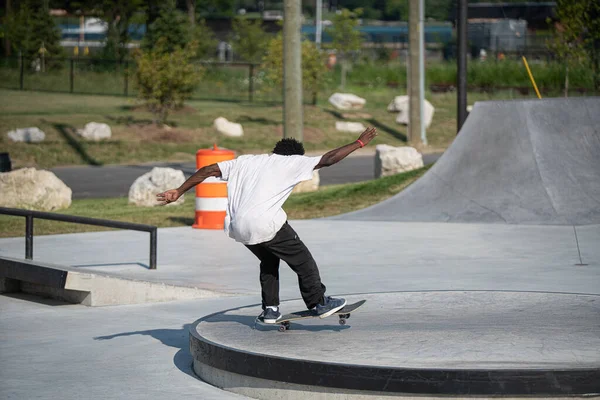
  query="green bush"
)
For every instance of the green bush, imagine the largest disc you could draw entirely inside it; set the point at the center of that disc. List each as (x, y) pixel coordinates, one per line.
(166, 79)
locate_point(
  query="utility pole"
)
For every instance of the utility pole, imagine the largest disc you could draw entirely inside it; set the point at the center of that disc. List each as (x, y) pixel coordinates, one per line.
(415, 71)
(461, 78)
(319, 26)
(292, 70)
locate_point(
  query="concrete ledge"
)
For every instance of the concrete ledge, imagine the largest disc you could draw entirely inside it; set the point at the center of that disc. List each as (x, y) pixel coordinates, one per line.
(90, 289)
(436, 344)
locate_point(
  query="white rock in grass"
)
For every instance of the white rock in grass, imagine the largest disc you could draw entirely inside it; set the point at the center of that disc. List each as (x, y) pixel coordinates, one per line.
(308, 186)
(400, 104)
(391, 160)
(27, 135)
(95, 131)
(351, 127)
(145, 188)
(228, 128)
(347, 101)
(34, 190)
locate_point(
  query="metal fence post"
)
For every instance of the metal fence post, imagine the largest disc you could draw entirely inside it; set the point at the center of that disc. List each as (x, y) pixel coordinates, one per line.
(126, 78)
(22, 71)
(72, 77)
(29, 237)
(251, 83)
(153, 249)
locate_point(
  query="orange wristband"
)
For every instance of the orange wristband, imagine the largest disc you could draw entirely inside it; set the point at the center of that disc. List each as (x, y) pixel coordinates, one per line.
(360, 142)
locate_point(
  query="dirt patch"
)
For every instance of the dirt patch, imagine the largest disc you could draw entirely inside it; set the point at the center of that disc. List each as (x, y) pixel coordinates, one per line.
(313, 135)
(163, 134)
(181, 111)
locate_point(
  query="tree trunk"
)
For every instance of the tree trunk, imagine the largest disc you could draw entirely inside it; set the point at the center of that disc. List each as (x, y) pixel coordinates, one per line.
(344, 69)
(6, 40)
(191, 7)
(567, 81)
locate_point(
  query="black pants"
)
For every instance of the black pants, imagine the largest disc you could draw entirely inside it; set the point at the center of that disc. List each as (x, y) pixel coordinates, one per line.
(287, 246)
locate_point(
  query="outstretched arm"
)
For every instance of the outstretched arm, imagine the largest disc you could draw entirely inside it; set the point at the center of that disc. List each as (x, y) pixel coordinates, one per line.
(340, 153)
(172, 195)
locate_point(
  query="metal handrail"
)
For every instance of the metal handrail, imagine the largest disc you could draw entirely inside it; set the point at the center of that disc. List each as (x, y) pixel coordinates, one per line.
(30, 215)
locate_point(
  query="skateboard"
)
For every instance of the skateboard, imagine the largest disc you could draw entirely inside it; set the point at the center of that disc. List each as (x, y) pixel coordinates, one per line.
(344, 314)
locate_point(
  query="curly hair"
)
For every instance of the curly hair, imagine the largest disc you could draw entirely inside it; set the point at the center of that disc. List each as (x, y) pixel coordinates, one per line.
(289, 147)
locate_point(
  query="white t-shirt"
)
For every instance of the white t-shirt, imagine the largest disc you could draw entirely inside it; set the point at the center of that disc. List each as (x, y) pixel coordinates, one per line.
(257, 187)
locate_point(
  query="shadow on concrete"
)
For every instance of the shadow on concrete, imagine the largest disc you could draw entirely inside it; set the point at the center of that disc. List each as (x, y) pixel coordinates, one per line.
(251, 322)
(68, 132)
(37, 299)
(112, 265)
(176, 338)
(387, 129)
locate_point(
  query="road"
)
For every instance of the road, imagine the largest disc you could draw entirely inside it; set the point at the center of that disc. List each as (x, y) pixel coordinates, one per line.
(115, 180)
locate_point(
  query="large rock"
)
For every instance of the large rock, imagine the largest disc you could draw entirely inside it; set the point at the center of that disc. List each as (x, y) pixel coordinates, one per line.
(308, 186)
(34, 190)
(145, 188)
(27, 135)
(95, 131)
(351, 127)
(228, 128)
(347, 101)
(391, 160)
(400, 104)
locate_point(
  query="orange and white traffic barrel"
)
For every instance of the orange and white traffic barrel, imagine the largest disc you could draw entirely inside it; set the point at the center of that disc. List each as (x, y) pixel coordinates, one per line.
(211, 195)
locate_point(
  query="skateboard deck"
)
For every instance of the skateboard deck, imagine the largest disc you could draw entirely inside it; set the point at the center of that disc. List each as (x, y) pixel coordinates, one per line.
(343, 313)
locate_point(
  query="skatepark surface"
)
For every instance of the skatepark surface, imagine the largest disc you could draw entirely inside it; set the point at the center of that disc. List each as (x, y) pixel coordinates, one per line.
(513, 284)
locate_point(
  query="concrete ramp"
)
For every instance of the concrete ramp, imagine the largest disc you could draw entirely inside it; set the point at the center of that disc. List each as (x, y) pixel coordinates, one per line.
(515, 162)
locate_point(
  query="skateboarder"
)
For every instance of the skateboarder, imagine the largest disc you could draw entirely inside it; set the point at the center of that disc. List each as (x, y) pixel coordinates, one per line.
(257, 187)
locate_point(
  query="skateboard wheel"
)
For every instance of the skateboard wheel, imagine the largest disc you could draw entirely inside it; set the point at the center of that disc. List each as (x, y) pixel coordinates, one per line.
(342, 321)
(282, 328)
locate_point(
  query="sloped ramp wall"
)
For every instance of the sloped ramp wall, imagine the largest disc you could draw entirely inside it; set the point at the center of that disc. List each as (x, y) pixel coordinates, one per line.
(515, 162)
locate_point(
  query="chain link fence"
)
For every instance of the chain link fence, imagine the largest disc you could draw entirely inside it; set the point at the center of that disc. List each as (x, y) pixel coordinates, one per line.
(221, 81)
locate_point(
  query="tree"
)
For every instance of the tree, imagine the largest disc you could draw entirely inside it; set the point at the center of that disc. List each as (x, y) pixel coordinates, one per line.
(313, 65)
(171, 27)
(32, 31)
(166, 78)
(206, 39)
(576, 37)
(118, 15)
(346, 38)
(249, 39)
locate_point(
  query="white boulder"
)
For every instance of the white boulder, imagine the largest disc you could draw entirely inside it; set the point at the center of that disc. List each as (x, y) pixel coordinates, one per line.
(145, 188)
(95, 131)
(227, 128)
(308, 186)
(400, 104)
(351, 127)
(27, 135)
(391, 160)
(34, 190)
(347, 101)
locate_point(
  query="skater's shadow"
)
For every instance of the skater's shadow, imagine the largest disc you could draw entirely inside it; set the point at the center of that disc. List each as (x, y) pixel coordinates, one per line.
(309, 324)
(177, 338)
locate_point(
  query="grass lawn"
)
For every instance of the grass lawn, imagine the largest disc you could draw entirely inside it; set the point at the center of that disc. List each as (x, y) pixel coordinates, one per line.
(135, 139)
(328, 201)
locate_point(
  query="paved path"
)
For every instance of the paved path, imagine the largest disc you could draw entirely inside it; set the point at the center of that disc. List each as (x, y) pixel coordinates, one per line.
(115, 180)
(50, 350)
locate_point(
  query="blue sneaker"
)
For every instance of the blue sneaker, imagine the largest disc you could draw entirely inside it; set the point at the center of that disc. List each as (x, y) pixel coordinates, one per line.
(330, 306)
(270, 316)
